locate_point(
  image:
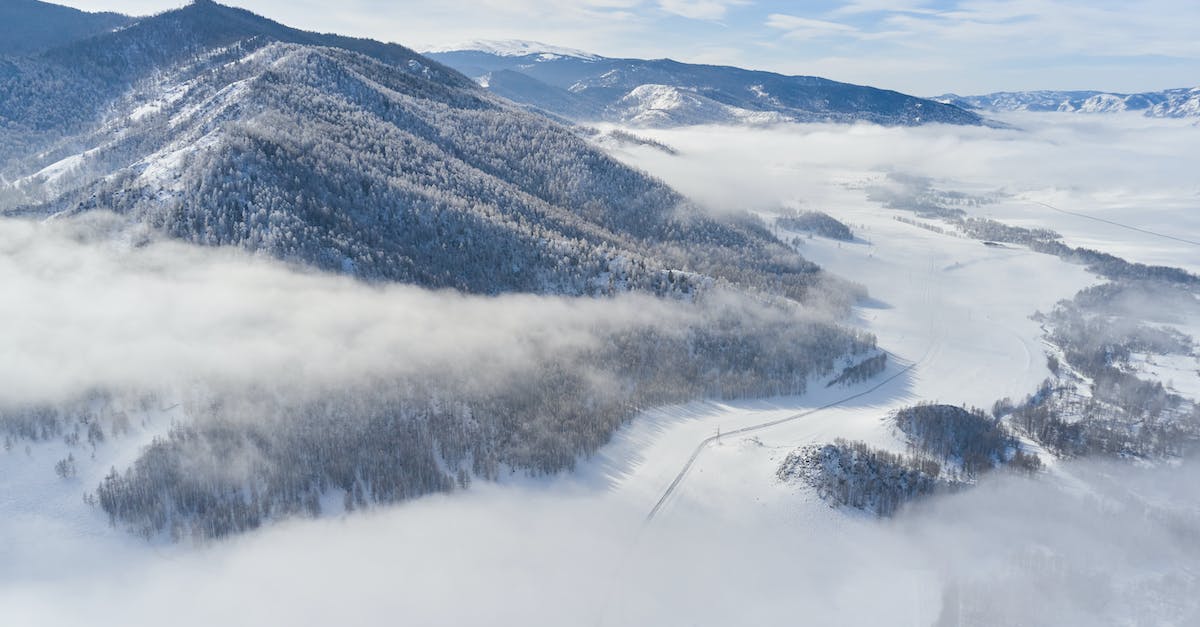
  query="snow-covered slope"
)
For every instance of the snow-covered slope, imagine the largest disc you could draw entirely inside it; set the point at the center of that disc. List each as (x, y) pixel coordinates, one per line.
(664, 105)
(552, 551)
(381, 164)
(352, 156)
(368, 160)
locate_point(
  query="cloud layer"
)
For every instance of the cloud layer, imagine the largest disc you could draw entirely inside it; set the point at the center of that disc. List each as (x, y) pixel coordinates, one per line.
(926, 47)
(1109, 545)
(1121, 167)
(86, 311)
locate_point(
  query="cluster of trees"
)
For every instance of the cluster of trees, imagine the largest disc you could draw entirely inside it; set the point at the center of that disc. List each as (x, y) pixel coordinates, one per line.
(852, 474)
(918, 195)
(948, 448)
(967, 438)
(250, 456)
(625, 138)
(1074, 425)
(817, 223)
(1098, 332)
(923, 225)
(1115, 268)
(990, 230)
(861, 371)
(66, 468)
(89, 418)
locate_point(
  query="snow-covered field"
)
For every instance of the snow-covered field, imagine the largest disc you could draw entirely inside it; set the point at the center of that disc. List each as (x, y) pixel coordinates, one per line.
(731, 545)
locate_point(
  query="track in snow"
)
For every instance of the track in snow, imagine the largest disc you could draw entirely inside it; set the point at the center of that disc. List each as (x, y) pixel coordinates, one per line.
(1118, 224)
(687, 467)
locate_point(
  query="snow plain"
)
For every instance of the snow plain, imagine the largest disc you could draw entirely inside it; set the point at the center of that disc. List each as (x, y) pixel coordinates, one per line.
(731, 545)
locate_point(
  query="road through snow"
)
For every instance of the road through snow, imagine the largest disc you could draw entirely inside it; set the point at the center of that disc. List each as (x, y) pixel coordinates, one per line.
(767, 425)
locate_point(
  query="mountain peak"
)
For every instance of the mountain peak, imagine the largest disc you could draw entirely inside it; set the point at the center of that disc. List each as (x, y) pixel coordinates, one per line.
(515, 48)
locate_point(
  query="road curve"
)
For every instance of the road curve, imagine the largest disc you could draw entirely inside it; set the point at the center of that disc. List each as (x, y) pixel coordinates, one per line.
(687, 467)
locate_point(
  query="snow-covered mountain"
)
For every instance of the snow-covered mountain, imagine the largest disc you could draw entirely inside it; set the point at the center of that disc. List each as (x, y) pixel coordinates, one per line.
(663, 92)
(666, 105)
(221, 127)
(1169, 103)
(218, 127)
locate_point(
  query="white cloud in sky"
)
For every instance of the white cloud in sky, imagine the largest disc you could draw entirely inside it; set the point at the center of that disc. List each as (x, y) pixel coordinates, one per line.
(699, 9)
(924, 47)
(883, 6)
(803, 27)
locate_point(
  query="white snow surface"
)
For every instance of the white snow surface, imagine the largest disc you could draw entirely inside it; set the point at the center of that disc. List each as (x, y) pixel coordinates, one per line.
(665, 105)
(1179, 373)
(732, 545)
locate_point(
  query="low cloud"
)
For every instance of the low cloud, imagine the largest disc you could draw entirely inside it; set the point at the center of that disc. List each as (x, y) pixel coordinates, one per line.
(86, 311)
(1090, 544)
(1093, 160)
(1083, 544)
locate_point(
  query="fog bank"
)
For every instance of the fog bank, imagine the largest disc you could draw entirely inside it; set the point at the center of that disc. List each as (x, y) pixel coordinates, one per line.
(1099, 544)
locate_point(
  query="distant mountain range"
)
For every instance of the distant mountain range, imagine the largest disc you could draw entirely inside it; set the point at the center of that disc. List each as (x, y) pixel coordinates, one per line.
(221, 127)
(582, 86)
(1169, 103)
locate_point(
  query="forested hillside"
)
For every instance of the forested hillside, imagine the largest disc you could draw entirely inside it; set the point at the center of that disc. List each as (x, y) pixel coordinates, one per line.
(216, 127)
(271, 445)
(362, 158)
(249, 458)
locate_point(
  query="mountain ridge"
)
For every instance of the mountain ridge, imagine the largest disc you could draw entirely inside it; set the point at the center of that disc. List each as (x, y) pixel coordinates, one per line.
(1167, 103)
(62, 90)
(592, 88)
(367, 159)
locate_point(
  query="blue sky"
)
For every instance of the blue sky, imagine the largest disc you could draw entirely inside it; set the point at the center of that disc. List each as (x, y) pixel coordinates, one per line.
(926, 47)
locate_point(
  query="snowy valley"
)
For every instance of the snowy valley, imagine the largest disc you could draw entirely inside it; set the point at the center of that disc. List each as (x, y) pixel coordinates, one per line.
(308, 329)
